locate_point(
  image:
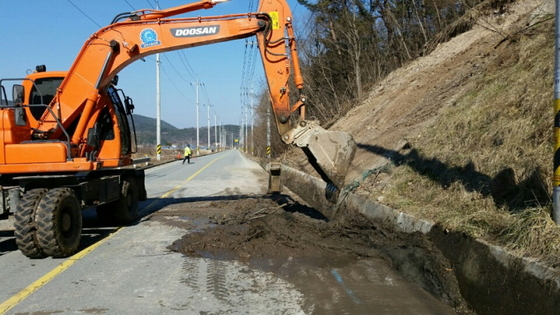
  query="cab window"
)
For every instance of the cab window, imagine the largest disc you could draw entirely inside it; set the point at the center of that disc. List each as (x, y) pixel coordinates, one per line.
(45, 88)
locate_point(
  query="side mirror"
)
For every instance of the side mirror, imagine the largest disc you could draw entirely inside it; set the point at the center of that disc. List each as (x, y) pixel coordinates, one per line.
(18, 93)
(129, 104)
(19, 112)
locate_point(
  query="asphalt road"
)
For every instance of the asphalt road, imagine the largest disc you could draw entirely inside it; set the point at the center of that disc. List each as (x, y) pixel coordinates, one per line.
(129, 270)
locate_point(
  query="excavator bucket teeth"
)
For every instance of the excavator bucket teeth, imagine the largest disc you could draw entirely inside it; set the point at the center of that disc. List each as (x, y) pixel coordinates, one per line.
(331, 154)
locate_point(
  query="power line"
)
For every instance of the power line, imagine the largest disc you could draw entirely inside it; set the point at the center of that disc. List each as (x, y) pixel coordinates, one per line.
(172, 66)
(305, 29)
(186, 63)
(243, 73)
(173, 83)
(75, 6)
(130, 5)
(252, 66)
(249, 59)
(205, 93)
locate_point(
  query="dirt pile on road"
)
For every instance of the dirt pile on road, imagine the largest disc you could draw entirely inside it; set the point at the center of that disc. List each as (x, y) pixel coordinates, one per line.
(253, 229)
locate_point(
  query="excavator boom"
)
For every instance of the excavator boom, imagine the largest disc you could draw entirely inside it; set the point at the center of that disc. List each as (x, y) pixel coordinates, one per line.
(136, 35)
(80, 111)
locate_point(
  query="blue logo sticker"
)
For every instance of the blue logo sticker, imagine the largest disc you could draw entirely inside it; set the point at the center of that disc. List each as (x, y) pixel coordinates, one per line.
(149, 38)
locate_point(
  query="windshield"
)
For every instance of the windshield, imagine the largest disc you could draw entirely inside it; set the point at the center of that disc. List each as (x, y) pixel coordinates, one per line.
(43, 92)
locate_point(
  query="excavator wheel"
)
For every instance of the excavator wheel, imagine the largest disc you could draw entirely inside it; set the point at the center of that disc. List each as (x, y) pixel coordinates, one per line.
(25, 227)
(125, 209)
(59, 222)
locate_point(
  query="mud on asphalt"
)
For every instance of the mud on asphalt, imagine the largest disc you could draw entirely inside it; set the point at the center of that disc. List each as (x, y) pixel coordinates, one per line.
(278, 229)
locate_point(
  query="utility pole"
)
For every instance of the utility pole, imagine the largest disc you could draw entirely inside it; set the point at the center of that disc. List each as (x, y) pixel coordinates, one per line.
(208, 108)
(246, 125)
(221, 138)
(158, 106)
(252, 138)
(240, 133)
(197, 128)
(215, 133)
(268, 145)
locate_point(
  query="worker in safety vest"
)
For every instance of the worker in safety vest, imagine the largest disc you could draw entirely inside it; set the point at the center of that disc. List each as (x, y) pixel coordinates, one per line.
(187, 154)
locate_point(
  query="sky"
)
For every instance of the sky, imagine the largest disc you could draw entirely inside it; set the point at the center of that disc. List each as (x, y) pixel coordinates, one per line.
(35, 32)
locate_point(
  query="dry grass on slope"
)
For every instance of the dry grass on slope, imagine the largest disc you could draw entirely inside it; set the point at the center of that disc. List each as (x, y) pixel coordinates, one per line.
(484, 166)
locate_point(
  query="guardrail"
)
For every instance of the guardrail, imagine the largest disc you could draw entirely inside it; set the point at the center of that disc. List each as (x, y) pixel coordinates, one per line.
(141, 160)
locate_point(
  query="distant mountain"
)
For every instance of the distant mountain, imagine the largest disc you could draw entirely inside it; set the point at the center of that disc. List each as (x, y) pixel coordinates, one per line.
(146, 133)
(143, 122)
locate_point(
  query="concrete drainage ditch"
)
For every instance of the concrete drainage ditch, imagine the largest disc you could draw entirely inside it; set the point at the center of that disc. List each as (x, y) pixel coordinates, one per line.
(491, 280)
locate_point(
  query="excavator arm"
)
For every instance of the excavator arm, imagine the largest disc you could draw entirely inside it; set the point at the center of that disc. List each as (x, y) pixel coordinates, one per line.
(135, 35)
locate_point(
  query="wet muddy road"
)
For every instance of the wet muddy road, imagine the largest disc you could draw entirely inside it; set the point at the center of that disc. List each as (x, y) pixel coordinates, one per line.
(335, 266)
(211, 242)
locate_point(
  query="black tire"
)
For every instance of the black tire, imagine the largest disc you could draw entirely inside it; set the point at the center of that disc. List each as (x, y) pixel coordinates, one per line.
(59, 222)
(25, 227)
(125, 209)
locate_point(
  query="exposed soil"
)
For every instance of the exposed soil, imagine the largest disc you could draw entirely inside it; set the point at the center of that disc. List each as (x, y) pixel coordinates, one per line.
(409, 100)
(279, 230)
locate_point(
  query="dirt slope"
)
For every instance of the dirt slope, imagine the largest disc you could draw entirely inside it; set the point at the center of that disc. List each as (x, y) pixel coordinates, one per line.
(401, 107)
(409, 99)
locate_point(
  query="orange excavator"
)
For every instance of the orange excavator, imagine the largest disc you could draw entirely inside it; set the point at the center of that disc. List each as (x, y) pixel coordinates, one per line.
(66, 138)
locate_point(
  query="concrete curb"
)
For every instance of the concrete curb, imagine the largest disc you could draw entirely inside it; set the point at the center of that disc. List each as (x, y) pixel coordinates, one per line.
(491, 279)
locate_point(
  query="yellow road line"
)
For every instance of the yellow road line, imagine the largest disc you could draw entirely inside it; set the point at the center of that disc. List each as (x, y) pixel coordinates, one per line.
(21, 295)
(167, 194)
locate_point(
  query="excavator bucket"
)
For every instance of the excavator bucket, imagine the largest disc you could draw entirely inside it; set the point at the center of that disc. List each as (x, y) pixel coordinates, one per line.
(330, 152)
(333, 152)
